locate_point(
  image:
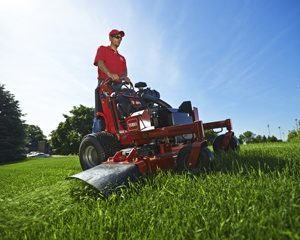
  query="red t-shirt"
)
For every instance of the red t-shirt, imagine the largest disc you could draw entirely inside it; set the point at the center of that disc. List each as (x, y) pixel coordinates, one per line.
(114, 61)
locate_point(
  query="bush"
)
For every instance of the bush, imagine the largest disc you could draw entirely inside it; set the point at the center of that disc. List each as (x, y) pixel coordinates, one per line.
(294, 136)
(68, 135)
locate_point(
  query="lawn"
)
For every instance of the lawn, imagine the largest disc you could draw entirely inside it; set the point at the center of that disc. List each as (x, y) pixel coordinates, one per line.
(252, 194)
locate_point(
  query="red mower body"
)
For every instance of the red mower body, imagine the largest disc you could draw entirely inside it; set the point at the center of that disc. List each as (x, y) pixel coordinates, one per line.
(138, 133)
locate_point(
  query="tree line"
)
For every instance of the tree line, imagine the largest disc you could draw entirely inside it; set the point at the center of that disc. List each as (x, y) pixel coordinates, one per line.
(17, 137)
(250, 137)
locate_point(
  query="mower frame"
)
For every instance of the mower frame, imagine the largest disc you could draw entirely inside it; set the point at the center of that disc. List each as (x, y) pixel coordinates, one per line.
(152, 136)
(135, 136)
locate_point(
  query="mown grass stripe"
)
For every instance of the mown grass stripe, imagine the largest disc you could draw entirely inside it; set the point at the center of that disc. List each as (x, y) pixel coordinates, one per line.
(254, 194)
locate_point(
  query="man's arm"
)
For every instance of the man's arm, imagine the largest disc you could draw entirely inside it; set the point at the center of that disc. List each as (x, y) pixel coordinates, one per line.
(125, 73)
(104, 69)
(124, 76)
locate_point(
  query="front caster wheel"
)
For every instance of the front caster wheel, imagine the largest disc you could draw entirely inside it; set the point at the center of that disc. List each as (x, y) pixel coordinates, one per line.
(219, 146)
(205, 161)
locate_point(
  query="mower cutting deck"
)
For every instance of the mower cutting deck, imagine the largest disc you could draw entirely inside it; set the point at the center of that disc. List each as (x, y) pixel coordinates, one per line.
(136, 133)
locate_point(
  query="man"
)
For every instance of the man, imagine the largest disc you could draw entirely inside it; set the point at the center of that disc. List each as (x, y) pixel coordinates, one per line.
(110, 63)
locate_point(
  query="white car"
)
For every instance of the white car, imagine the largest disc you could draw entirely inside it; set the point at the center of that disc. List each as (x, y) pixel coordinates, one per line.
(37, 154)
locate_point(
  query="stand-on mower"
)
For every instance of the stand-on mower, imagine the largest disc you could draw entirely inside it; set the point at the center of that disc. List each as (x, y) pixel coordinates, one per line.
(135, 133)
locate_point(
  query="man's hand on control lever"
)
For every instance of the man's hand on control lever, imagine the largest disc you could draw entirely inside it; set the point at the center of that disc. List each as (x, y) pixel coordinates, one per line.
(125, 79)
(114, 77)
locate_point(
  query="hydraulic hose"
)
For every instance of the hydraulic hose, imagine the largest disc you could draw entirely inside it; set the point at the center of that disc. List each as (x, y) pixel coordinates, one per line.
(158, 101)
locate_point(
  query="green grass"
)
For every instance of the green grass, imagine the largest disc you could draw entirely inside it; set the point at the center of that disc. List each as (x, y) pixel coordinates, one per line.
(254, 194)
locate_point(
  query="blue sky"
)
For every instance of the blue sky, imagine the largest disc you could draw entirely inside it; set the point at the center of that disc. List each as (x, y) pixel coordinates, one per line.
(233, 59)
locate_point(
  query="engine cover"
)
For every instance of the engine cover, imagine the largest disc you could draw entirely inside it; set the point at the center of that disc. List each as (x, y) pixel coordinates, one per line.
(139, 121)
(171, 117)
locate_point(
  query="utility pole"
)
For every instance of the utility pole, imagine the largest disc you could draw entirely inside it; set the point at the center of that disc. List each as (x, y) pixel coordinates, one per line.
(280, 132)
(269, 129)
(297, 126)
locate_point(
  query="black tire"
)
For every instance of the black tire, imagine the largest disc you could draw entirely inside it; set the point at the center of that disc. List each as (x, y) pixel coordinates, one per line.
(205, 160)
(96, 148)
(233, 144)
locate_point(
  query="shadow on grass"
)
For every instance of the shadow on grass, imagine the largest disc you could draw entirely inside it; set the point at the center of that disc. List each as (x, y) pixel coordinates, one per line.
(24, 159)
(236, 162)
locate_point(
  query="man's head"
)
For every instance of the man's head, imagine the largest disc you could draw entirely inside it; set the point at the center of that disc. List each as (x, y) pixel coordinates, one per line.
(115, 37)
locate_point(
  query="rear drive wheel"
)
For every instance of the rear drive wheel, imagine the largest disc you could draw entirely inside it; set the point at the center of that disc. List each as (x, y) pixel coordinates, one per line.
(218, 144)
(205, 161)
(96, 148)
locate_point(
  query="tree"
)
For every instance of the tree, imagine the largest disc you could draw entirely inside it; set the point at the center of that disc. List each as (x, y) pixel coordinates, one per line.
(294, 135)
(210, 136)
(33, 134)
(11, 128)
(273, 139)
(247, 137)
(264, 139)
(68, 135)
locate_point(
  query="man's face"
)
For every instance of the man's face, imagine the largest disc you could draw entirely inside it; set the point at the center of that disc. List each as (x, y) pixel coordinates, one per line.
(116, 40)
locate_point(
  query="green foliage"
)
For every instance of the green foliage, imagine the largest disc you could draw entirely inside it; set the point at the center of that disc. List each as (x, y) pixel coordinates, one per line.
(294, 136)
(247, 137)
(210, 136)
(11, 128)
(253, 194)
(68, 135)
(33, 134)
(250, 137)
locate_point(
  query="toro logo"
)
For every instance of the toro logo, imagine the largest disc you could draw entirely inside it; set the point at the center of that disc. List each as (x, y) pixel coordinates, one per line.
(133, 125)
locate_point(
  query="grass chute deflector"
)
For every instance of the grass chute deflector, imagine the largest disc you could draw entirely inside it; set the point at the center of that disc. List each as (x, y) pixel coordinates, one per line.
(107, 177)
(135, 133)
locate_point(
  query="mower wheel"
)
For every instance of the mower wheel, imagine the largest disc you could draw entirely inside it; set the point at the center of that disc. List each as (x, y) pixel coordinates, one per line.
(205, 160)
(218, 144)
(96, 148)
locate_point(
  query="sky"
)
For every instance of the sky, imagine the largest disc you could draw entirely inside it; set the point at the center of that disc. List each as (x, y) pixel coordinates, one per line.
(237, 59)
